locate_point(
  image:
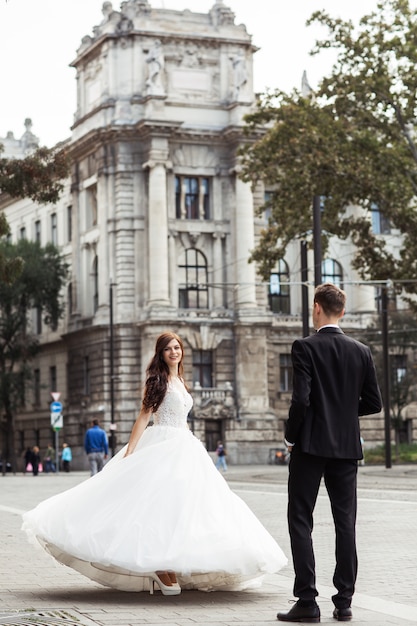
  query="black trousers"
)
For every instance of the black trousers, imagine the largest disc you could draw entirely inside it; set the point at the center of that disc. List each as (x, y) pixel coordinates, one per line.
(305, 474)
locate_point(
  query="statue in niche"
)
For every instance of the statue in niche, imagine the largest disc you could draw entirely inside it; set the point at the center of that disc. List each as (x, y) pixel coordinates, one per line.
(156, 62)
(240, 75)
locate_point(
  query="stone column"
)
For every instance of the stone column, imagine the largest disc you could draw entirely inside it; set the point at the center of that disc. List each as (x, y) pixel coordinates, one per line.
(218, 287)
(244, 243)
(173, 262)
(158, 277)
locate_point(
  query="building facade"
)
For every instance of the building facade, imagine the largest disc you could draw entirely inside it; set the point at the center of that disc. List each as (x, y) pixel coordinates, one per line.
(157, 228)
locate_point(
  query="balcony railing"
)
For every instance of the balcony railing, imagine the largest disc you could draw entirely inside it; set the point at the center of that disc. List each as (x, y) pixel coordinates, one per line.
(214, 402)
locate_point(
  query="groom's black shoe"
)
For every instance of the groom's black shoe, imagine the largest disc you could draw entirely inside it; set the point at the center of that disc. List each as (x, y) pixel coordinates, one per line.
(342, 615)
(307, 614)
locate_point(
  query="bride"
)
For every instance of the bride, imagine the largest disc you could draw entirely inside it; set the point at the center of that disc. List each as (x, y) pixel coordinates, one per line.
(159, 513)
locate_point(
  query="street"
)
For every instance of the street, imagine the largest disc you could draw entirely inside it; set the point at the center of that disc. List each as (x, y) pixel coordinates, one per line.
(36, 590)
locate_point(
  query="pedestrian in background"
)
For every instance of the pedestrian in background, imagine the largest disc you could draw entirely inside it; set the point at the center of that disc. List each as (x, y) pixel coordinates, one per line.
(96, 446)
(36, 461)
(28, 460)
(334, 382)
(66, 457)
(221, 457)
(49, 460)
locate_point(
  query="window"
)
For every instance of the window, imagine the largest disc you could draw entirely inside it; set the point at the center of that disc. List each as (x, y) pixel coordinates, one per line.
(52, 378)
(37, 387)
(203, 367)
(54, 229)
(86, 375)
(192, 198)
(399, 367)
(69, 299)
(91, 206)
(38, 320)
(285, 372)
(22, 388)
(279, 289)
(193, 291)
(267, 199)
(95, 284)
(331, 272)
(38, 231)
(69, 223)
(380, 223)
(22, 233)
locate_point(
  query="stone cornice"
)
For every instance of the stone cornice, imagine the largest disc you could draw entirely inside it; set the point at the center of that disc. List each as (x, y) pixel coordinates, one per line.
(127, 132)
(146, 129)
(213, 41)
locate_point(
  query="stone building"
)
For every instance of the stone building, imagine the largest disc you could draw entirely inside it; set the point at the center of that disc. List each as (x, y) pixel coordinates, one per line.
(157, 228)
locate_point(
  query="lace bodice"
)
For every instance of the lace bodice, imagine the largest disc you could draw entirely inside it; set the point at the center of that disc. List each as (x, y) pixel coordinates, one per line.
(175, 406)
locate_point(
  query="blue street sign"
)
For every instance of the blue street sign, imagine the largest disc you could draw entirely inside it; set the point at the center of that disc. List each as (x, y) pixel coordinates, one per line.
(56, 407)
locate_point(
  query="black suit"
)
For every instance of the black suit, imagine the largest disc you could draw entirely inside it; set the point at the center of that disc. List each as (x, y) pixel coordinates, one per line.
(334, 381)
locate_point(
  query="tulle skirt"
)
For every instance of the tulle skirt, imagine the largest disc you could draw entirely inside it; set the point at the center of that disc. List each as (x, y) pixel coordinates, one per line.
(164, 507)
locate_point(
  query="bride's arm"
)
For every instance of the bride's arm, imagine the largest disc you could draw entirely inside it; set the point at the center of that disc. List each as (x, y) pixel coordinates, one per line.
(138, 429)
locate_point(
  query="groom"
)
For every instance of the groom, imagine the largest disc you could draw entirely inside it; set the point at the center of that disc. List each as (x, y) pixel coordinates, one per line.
(334, 381)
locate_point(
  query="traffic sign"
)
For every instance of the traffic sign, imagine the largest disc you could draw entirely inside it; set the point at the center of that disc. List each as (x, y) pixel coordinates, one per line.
(57, 421)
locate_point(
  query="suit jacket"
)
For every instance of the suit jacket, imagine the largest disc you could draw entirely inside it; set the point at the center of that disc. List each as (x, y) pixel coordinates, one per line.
(334, 382)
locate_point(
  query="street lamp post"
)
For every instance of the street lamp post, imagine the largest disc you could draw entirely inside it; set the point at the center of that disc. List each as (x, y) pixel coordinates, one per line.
(304, 288)
(385, 354)
(317, 239)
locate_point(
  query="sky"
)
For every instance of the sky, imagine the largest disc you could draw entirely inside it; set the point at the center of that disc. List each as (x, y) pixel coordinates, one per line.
(39, 39)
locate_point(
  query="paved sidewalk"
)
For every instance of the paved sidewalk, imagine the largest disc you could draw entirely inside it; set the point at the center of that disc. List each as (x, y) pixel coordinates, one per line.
(386, 590)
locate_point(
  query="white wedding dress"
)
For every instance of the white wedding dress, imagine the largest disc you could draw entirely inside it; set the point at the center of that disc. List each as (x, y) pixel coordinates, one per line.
(164, 507)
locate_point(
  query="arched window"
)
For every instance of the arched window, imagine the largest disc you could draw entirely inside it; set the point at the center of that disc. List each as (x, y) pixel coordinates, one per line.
(331, 272)
(193, 289)
(279, 289)
(95, 284)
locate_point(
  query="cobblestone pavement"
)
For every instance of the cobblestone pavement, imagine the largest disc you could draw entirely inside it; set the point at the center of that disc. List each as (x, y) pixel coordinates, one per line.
(36, 590)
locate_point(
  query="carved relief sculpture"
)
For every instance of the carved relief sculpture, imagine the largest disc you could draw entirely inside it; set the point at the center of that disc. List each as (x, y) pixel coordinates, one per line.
(240, 75)
(156, 62)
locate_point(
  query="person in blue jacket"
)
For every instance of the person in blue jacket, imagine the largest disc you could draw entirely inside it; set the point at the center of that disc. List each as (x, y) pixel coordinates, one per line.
(96, 447)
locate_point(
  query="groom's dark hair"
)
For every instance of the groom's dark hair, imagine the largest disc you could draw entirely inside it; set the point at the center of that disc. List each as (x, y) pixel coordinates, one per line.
(331, 298)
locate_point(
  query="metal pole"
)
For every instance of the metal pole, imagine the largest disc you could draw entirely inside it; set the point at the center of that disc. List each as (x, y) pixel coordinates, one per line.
(57, 451)
(385, 354)
(111, 370)
(317, 239)
(304, 288)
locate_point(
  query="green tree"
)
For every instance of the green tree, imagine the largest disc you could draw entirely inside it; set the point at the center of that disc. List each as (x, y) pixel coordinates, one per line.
(352, 143)
(9, 268)
(37, 176)
(402, 334)
(37, 287)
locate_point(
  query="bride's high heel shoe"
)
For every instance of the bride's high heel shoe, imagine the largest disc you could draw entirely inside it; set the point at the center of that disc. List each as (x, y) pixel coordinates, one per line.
(167, 590)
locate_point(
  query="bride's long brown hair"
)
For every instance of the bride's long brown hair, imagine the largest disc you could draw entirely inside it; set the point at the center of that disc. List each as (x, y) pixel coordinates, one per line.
(157, 372)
